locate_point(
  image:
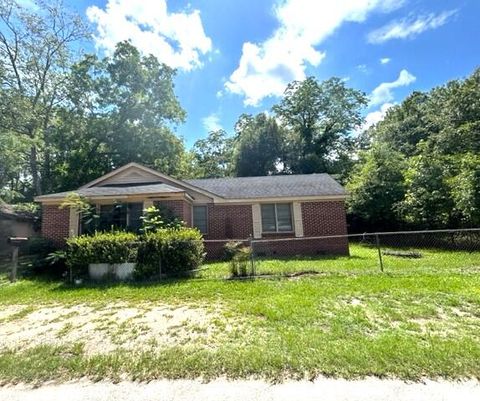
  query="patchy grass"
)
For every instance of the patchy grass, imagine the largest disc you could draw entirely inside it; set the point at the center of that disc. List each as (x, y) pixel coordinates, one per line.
(418, 319)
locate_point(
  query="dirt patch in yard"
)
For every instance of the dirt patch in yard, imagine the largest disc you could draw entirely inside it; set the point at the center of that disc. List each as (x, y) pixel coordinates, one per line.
(102, 329)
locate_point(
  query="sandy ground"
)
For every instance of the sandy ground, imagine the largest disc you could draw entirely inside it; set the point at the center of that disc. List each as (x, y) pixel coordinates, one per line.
(323, 389)
(104, 328)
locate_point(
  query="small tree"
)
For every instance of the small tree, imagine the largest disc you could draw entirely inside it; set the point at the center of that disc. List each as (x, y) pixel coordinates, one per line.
(156, 218)
(87, 213)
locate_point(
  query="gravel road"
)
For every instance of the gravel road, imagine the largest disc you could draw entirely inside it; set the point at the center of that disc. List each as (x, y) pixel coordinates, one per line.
(323, 389)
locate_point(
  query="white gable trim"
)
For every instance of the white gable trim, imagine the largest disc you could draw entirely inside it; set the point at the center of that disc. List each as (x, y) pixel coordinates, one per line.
(151, 171)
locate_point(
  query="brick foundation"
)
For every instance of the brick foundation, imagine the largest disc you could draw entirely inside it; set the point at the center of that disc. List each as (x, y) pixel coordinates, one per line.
(55, 224)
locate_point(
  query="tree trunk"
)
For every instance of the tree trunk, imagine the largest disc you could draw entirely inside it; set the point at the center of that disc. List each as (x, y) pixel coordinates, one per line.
(34, 170)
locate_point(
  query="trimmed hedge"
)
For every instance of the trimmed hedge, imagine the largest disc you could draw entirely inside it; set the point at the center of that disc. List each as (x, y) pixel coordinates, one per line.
(178, 250)
(103, 247)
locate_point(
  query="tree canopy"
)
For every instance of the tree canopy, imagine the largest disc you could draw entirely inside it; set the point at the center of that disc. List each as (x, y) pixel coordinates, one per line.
(67, 118)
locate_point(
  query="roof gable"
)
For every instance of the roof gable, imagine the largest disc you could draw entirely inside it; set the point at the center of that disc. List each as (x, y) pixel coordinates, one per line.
(131, 175)
(135, 174)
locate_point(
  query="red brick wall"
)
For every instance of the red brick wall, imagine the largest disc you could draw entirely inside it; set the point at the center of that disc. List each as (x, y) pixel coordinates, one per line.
(235, 222)
(187, 213)
(319, 219)
(324, 218)
(179, 208)
(55, 223)
(229, 221)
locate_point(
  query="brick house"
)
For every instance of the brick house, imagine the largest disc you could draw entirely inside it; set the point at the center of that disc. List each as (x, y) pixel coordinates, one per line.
(287, 210)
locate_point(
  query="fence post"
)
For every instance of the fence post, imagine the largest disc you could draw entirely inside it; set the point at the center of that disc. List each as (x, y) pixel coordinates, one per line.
(377, 240)
(252, 256)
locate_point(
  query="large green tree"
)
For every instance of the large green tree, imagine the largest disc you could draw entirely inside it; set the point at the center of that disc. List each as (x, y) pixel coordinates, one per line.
(213, 155)
(258, 146)
(376, 187)
(35, 49)
(121, 109)
(321, 117)
(438, 135)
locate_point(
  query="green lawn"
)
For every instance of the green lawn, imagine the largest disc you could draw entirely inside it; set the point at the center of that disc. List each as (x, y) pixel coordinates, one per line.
(420, 318)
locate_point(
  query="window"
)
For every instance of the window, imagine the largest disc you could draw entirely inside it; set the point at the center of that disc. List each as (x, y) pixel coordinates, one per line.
(121, 216)
(277, 217)
(200, 218)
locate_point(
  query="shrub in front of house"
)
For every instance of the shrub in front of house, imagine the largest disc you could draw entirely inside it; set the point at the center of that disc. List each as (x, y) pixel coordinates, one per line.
(238, 255)
(170, 252)
(102, 247)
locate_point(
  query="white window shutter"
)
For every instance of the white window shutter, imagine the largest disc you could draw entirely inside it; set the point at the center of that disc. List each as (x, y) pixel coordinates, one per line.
(257, 221)
(297, 219)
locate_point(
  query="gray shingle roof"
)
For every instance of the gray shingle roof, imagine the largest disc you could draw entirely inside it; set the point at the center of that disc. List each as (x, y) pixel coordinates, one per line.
(271, 186)
(118, 191)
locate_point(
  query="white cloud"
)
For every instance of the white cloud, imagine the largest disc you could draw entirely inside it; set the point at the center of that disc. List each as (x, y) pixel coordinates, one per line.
(375, 116)
(409, 27)
(385, 60)
(211, 123)
(266, 68)
(176, 39)
(383, 92)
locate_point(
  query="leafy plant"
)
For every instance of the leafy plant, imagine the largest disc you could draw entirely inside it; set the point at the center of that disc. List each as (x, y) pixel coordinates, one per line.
(159, 217)
(239, 257)
(85, 210)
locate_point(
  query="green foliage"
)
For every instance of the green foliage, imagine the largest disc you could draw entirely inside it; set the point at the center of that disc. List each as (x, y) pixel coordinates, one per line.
(28, 208)
(174, 252)
(86, 211)
(214, 154)
(36, 54)
(427, 201)
(258, 146)
(377, 186)
(39, 251)
(465, 189)
(320, 117)
(159, 217)
(438, 136)
(37, 246)
(239, 257)
(107, 247)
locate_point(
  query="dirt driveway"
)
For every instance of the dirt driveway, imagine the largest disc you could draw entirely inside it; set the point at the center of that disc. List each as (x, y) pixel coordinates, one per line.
(222, 390)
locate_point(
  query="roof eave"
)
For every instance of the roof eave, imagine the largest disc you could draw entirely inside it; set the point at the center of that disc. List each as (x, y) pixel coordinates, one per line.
(51, 199)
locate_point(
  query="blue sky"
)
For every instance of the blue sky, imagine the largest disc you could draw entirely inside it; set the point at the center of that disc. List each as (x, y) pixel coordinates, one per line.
(236, 57)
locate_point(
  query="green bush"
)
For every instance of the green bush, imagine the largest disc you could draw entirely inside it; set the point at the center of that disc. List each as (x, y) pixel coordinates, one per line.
(36, 252)
(179, 251)
(239, 257)
(105, 247)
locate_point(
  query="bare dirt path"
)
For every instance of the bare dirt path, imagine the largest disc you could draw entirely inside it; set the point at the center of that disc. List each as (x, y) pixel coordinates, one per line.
(323, 389)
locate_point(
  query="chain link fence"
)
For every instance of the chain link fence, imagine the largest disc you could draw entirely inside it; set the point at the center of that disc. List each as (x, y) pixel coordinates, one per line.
(391, 252)
(408, 252)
